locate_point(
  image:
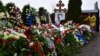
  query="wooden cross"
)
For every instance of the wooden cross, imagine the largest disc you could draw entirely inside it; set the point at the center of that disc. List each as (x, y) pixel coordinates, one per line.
(60, 4)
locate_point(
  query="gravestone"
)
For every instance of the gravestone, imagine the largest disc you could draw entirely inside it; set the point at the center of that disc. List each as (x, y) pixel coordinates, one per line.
(59, 13)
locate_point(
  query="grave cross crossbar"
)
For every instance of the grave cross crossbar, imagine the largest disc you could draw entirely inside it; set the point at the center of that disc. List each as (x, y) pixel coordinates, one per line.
(60, 4)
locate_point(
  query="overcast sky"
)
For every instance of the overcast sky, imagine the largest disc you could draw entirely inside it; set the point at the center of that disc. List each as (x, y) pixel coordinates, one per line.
(50, 4)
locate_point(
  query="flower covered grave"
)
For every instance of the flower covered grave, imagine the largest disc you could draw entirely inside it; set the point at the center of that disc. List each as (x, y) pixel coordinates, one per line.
(44, 40)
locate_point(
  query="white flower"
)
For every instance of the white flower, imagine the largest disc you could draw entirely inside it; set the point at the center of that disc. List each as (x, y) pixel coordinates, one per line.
(15, 54)
(2, 15)
(30, 44)
(76, 38)
(61, 28)
(6, 33)
(52, 38)
(86, 26)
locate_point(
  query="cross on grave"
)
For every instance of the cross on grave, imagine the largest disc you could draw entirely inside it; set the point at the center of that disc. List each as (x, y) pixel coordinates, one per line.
(59, 13)
(60, 4)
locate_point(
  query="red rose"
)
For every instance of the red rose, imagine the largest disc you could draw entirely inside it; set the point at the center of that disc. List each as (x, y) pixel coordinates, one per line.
(58, 40)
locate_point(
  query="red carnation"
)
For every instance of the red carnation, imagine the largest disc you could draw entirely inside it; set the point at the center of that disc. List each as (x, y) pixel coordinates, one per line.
(58, 40)
(37, 48)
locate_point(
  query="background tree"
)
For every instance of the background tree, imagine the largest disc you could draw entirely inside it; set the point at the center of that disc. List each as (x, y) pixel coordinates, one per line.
(41, 11)
(34, 12)
(25, 9)
(3, 9)
(1, 6)
(74, 10)
(9, 7)
(52, 17)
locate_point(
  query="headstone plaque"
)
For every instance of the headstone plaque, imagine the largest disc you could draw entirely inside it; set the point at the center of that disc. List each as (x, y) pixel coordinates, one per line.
(59, 13)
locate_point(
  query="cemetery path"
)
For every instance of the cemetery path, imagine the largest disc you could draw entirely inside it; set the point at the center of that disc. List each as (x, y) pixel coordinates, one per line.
(92, 49)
